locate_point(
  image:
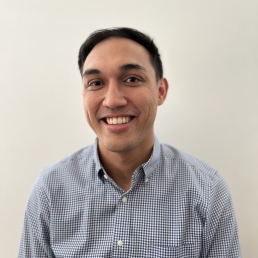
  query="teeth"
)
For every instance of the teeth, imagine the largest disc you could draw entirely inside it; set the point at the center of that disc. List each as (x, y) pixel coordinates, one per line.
(118, 120)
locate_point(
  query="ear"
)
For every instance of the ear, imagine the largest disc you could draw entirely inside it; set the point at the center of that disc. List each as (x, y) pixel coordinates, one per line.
(162, 91)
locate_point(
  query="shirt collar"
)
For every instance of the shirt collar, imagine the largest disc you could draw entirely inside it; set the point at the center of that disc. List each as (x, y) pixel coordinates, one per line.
(96, 155)
(148, 167)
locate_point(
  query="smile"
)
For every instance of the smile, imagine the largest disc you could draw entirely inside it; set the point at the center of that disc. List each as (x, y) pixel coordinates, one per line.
(118, 120)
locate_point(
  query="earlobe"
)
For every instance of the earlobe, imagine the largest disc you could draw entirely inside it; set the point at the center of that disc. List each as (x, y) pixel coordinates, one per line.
(162, 91)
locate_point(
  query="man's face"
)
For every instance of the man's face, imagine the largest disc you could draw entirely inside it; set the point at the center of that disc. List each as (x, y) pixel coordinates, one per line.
(121, 95)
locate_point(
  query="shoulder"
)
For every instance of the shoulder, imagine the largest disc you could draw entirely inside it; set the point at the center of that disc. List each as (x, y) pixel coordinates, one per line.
(72, 169)
(196, 177)
(79, 157)
(187, 164)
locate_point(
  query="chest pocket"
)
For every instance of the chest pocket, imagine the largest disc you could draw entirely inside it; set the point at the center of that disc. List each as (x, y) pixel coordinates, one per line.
(182, 251)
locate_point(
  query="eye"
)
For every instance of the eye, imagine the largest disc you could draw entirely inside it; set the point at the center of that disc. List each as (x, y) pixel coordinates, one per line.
(132, 79)
(95, 83)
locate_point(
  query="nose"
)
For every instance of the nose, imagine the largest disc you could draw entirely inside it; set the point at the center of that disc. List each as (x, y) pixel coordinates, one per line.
(114, 96)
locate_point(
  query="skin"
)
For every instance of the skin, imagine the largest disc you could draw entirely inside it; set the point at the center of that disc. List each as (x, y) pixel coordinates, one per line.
(119, 81)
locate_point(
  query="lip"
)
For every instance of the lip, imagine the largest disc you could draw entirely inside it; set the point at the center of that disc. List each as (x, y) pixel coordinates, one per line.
(116, 116)
(117, 128)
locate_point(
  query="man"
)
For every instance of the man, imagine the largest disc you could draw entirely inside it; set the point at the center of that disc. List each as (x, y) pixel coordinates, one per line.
(127, 195)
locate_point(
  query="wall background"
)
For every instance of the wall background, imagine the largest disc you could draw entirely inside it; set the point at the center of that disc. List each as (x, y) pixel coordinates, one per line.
(209, 50)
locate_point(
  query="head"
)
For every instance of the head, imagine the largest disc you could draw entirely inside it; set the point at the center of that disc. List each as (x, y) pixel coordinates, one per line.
(122, 87)
(128, 33)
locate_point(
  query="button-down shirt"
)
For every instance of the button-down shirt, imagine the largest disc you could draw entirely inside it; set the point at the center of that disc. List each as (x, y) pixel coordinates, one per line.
(177, 206)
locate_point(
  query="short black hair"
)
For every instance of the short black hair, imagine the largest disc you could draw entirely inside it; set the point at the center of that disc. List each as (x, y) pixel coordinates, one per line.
(122, 32)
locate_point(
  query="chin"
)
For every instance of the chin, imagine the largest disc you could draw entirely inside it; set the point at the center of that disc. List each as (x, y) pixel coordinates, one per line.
(118, 146)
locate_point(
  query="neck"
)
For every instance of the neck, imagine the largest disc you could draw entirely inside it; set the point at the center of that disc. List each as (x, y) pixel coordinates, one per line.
(120, 166)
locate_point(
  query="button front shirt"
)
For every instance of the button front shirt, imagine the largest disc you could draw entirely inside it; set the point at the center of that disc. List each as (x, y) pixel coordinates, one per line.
(178, 206)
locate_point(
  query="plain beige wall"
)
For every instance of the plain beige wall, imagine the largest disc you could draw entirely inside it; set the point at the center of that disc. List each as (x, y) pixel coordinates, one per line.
(209, 50)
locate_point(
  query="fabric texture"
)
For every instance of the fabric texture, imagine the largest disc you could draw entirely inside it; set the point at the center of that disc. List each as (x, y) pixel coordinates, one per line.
(178, 206)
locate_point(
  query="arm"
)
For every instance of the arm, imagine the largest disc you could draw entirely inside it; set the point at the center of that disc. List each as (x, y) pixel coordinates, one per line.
(220, 231)
(35, 240)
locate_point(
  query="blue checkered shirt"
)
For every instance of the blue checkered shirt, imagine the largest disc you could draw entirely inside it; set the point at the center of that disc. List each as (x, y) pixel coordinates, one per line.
(177, 206)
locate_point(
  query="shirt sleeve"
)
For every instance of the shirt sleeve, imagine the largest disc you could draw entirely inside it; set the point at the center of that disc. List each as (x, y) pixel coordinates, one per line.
(220, 231)
(35, 241)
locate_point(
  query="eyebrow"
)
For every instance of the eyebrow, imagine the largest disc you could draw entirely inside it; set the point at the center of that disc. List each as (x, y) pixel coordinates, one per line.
(126, 67)
(91, 71)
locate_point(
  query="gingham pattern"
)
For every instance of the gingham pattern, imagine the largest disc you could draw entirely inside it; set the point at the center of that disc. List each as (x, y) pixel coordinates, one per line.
(178, 206)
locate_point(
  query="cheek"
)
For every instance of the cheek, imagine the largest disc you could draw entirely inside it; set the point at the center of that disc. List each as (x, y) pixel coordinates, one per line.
(89, 101)
(149, 108)
(89, 109)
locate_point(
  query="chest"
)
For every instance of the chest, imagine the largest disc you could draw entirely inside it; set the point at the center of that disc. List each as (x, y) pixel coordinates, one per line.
(146, 222)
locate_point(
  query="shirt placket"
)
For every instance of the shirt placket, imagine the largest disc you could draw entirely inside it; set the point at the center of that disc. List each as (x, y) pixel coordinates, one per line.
(122, 226)
(123, 221)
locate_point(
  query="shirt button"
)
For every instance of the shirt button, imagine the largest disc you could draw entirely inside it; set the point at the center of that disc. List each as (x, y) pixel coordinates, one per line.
(120, 243)
(124, 199)
(105, 176)
(146, 180)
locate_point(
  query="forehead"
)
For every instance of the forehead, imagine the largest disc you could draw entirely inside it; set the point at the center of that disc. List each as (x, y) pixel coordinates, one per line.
(117, 51)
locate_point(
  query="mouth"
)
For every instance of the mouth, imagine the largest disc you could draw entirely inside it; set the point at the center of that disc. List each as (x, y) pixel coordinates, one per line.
(118, 120)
